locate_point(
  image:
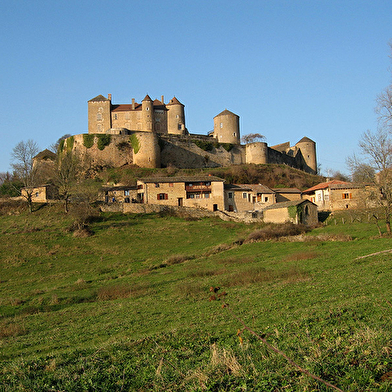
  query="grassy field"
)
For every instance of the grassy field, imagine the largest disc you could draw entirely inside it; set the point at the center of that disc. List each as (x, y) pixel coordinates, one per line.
(129, 308)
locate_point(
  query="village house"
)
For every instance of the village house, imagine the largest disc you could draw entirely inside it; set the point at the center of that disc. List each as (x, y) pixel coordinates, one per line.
(295, 211)
(197, 191)
(336, 195)
(120, 194)
(40, 194)
(287, 194)
(248, 197)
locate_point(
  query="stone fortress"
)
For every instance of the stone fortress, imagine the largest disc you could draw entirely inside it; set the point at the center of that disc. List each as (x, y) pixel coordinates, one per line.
(154, 134)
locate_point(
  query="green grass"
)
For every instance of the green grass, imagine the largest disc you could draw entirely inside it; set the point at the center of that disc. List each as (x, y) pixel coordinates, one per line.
(129, 309)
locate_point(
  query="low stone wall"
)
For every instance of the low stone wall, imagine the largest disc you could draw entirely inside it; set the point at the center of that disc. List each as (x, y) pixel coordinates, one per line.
(185, 212)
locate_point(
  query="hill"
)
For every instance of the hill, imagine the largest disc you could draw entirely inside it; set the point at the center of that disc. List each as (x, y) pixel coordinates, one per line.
(130, 308)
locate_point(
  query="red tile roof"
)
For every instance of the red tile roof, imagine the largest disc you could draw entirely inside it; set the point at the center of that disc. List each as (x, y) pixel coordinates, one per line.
(325, 185)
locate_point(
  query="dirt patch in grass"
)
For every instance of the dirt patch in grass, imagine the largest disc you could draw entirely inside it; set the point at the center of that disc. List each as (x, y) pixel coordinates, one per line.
(262, 275)
(113, 292)
(302, 256)
(12, 329)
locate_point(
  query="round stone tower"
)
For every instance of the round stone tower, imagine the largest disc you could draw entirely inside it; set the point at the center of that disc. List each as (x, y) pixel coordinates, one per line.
(308, 151)
(256, 153)
(146, 151)
(147, 114)
(175, 117)
(227, 127)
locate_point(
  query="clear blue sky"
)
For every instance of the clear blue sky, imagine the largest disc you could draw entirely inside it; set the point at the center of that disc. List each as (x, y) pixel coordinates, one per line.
(288, 68)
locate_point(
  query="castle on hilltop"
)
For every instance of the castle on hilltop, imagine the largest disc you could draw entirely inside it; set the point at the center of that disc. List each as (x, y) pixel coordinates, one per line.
(154, 134)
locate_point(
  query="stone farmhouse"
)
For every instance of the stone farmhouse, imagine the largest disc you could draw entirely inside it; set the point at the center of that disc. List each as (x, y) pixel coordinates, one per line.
(210, 193)
(336, 195)
(154, 134)
(295, 211)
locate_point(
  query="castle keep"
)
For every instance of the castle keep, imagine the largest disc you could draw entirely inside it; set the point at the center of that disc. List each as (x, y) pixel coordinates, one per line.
(154, 134)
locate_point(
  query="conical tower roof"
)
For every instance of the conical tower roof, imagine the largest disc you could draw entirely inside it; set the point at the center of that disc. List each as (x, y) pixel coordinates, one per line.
(174, 101)
(147, 98)
(226, 113)
(306, 140)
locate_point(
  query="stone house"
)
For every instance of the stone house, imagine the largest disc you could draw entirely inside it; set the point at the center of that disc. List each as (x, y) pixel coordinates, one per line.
(248, 197)
(41, 194)
(336, 195)
(287, 194)
(120, 194)
(196, 191)
(295, 211)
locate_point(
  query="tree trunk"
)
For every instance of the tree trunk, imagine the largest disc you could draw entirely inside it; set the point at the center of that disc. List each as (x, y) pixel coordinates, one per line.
(388, 225)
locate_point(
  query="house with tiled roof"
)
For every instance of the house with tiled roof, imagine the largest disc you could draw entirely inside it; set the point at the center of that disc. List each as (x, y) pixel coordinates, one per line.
(336, 195)
(195, 191)
(248, 197)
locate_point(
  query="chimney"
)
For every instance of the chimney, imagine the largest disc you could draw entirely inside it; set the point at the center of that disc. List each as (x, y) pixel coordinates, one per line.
(162, 100)
(109, 97)
(133, 103)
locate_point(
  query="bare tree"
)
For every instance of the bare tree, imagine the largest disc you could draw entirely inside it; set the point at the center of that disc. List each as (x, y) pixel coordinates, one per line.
(55, 146)
(252, 138)
(376, 149)
(65, 176)
(384, 108)
(24, 168)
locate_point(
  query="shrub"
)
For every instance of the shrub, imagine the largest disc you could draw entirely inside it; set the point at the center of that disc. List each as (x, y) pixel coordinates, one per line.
(275, 231)
(123, 146)
(134, 143)
(103, 141)
(227, 146)
(88, 140)
(70, 143)
(177, 259)
(204, 145)
(61, 145)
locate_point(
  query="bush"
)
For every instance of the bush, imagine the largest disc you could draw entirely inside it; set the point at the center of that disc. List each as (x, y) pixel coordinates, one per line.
(103, 141)
(70, 143)
(88, 140)
(275, 231)
(134, 143)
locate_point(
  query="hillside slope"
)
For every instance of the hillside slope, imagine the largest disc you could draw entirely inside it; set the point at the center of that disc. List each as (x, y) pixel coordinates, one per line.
(130, 308)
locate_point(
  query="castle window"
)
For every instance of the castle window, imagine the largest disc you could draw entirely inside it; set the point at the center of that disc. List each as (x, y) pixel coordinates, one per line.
(234, 134)
(221, 125)
(126, 193)
(244, 195)
(230, 195)
(179, 127)
(99, 116)
(206, 195)
(147, 109)
(265, 199)
(156, 185)
(346, 195)
(115, 116)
